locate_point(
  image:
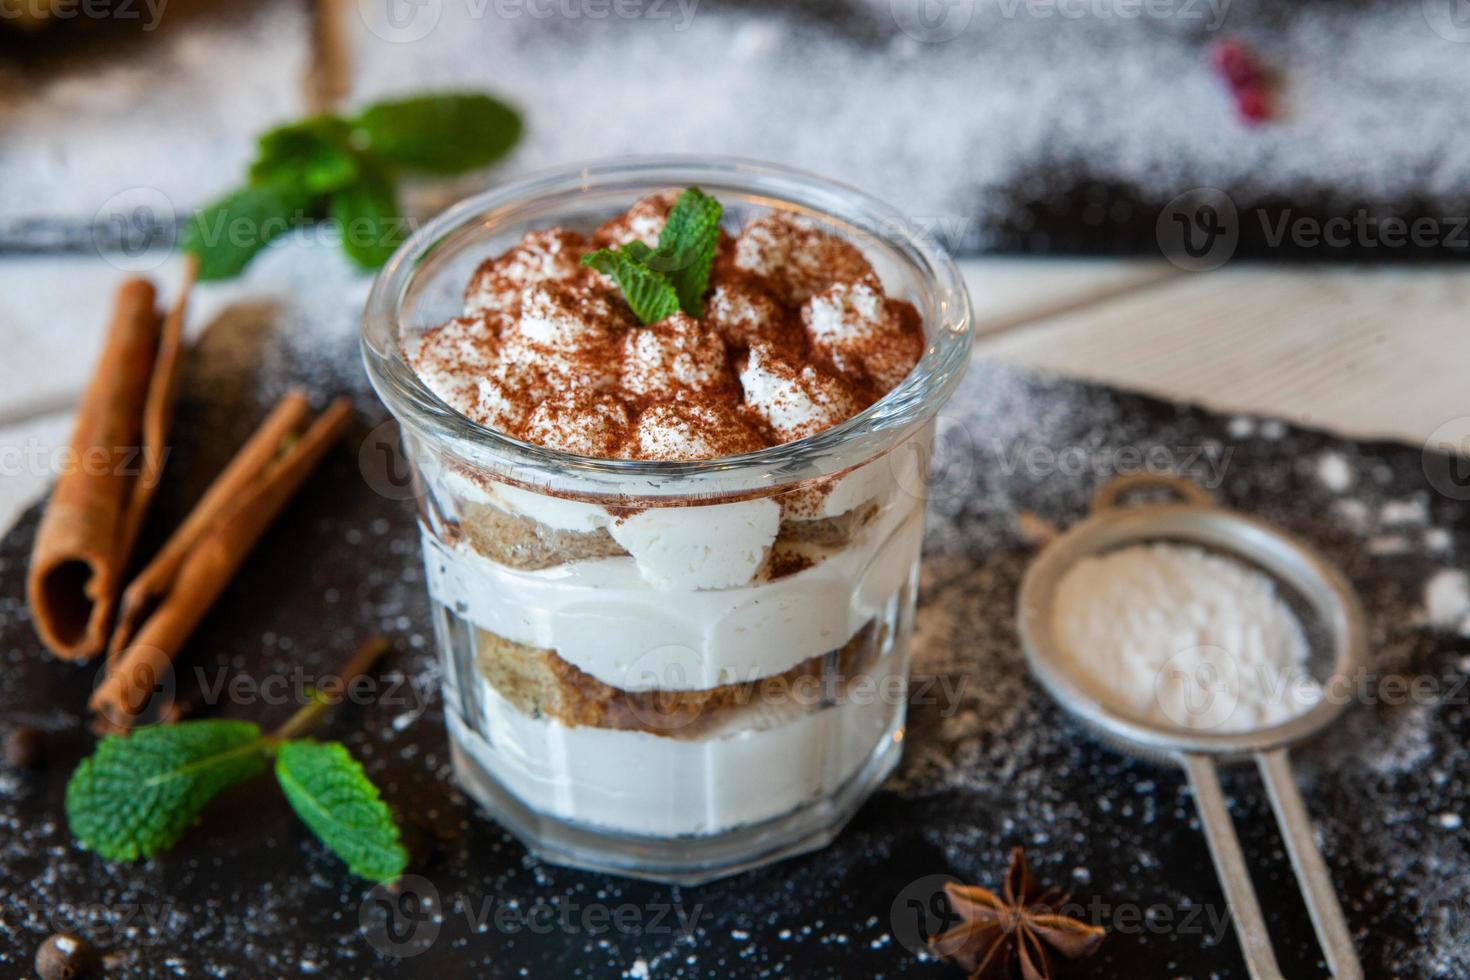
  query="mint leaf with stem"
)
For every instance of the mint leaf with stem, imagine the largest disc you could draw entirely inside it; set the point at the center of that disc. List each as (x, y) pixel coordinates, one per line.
(686, 247)
(649, 293)
(228, 233)
(137, 794)
(442, 133)
(313, 154)
(332, 795)
(348, 164)
(366, 213)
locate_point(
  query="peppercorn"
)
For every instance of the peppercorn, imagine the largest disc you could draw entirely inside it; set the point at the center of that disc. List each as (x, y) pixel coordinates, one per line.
(23, 747)
(64, 957)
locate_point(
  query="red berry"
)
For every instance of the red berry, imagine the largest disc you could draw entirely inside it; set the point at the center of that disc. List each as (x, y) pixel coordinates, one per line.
(1223, 54)
(1254, 104)
(1243, 75)
(1232, 60)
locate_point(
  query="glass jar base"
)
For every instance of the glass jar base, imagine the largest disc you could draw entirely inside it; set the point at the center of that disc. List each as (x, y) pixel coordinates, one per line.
(687, 860)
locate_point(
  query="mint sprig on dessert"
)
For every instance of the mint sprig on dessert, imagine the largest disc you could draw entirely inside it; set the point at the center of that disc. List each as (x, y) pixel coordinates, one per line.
(346, 169)
(137, 794)
(657, 282)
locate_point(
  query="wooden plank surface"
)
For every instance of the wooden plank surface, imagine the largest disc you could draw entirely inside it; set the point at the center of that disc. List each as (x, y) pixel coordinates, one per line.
(1362, 352)
(1367, 353)
(1007, 292)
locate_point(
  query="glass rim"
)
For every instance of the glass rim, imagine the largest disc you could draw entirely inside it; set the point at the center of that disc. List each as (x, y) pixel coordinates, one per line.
(871, 432)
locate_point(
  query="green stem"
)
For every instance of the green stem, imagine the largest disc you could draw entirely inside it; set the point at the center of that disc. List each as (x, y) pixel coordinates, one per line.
(306, 718)
(189, 769)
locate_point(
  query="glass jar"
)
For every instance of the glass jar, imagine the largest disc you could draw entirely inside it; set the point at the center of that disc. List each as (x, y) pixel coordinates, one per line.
(670, 670)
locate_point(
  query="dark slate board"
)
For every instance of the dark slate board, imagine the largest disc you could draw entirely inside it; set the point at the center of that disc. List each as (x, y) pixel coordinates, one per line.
(250, 893)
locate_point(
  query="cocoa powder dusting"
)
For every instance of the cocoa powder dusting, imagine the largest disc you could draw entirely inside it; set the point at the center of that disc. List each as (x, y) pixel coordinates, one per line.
(797, 336)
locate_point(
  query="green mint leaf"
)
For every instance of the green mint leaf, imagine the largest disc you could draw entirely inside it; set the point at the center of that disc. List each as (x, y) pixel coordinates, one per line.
(313, 155)
(227, 234)
(686, 247)
(137, 794)
(649, 293)
(366, 213)
(637, 251)
(333, 796)
(444, 134)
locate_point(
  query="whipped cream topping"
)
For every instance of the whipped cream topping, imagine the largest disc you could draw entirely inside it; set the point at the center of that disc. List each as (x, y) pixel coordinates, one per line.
(861, 332)
(793, 401)
(580, 422)
(681, 351)
(542, 256)
(641, 223)
(797, 335)
(795, 258)
(451, 358)
(744, 313)
(692, 430)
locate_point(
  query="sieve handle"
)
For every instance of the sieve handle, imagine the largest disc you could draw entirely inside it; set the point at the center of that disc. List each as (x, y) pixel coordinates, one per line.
(1185, 489)
(1250, 927)
(1311, 870)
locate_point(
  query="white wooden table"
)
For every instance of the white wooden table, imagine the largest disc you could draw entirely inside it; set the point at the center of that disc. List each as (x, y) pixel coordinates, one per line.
(1364, 352)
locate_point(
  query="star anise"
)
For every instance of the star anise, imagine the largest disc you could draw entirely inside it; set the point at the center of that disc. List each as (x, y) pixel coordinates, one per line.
(1023, 926)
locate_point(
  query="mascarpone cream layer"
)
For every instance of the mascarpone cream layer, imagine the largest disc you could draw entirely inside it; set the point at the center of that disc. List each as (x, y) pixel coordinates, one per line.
(606, 619)
(766, 763)
(713, 546)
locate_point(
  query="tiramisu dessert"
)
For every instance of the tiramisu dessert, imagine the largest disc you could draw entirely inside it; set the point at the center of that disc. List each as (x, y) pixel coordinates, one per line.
(647, 668)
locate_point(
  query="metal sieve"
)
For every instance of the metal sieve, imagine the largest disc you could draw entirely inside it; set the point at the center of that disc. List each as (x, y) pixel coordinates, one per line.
(1339, 654)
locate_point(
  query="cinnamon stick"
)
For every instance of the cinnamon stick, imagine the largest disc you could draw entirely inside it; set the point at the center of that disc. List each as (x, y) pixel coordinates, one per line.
(151, 584)
(170, 597)
(158, 406)
(115, 460)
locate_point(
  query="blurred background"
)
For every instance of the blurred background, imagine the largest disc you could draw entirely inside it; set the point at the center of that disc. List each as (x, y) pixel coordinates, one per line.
(1014, 126)
(1088, 159)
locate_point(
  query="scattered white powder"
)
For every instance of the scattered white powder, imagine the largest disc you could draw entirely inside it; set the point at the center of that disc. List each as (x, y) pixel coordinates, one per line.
(1021, 93)
(1334, 472)
(1241, 426)
(1412, 511)
(1353, 512)
(1447, 599)
(85, 127)
(1173, 635)
(1388, 544)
